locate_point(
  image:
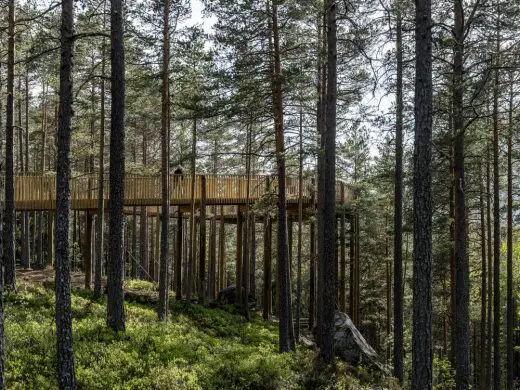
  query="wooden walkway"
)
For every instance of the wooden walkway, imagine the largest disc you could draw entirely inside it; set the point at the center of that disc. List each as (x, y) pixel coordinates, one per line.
(39, 192)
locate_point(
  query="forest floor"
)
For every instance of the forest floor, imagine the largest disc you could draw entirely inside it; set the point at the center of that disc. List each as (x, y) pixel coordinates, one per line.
(198, 348)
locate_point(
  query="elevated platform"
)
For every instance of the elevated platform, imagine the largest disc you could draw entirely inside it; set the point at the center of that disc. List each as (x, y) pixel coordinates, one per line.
(39, 192)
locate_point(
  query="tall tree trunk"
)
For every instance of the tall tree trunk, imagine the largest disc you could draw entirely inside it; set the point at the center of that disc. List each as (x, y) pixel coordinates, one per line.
(489, 343)
(283, 250)
(398, 205)
(327, 208)
(9, 217)
(2, 343)
(483, 289)
(100, 221)
(162, 309)
(510, 304)
(193, 250)
(116, 273)
(496, 225)
(26, 255)
(422, 352)
(300, 226)
(63, 203)
(462, 356)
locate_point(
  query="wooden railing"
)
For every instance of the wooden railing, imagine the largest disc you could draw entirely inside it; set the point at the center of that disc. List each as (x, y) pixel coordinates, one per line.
(39, 192)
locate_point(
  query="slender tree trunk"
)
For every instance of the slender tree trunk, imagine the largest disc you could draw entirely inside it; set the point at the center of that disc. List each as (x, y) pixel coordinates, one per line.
(327, 208)
(2, 343)
(489, 343)
(9, 215)
(191, 260)
(165, 166)
(100, 221)
(300, 233)
(116, 272)
(496, 227)
(26, 238)
(483, 290)
(63, 202)
(283, 251)
(462, 355)
(422, 352)
(510, 305)
(398, 206)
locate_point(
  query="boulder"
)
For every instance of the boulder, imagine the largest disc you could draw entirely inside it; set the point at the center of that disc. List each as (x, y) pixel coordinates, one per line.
(351, 346)
(227, 296)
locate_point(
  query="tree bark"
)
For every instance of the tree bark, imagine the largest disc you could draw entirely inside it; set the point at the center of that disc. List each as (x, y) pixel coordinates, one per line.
(63, 203)
(484, 287)
(462, 355)
(422, 352)
(162, 310)
(398, 205)
(116, 274)
(327, 208)
(283, 251)
(100, 221)
(496, 226)
(510, 304)
(9, 212)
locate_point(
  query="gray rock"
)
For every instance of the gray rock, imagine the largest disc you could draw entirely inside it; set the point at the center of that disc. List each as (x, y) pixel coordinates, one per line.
(351, 346)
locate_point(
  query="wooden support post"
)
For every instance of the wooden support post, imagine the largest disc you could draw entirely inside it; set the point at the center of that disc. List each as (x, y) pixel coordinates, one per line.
(212, 267)
(178, 257)
(87, 251)
(26, 244)
(135, 267)
(143, 244)
(268, 267)
(352, 280)
(222, 251)
(252, 257)
(238, 275)
(185, 260)
(312, 275)
(202, 241)
(50, 237)
(151, 262)
(343, 265)
(157, 249)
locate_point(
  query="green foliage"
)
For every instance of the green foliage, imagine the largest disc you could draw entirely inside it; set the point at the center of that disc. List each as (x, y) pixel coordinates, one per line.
(444, 373)
(199, 348)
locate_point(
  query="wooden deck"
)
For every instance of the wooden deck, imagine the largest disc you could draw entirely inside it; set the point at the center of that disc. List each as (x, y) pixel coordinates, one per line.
(39, 192)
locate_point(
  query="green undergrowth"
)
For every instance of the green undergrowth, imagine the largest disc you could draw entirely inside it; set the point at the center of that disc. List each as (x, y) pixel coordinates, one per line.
(198, 348)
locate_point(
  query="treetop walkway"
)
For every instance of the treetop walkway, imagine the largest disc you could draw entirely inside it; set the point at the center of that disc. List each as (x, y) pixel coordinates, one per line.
(39, 192)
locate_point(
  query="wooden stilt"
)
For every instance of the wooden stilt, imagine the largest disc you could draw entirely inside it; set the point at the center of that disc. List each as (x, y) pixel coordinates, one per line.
(202, 242)
(238, 275)
(222, 251)
(178, 257)
(87, 251)
(212, 267)
(268, 267)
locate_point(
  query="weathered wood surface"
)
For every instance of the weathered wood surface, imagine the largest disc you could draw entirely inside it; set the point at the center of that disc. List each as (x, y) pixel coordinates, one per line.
(39, 192)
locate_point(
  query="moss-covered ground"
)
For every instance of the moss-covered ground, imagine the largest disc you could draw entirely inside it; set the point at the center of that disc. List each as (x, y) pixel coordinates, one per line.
(198, 348)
